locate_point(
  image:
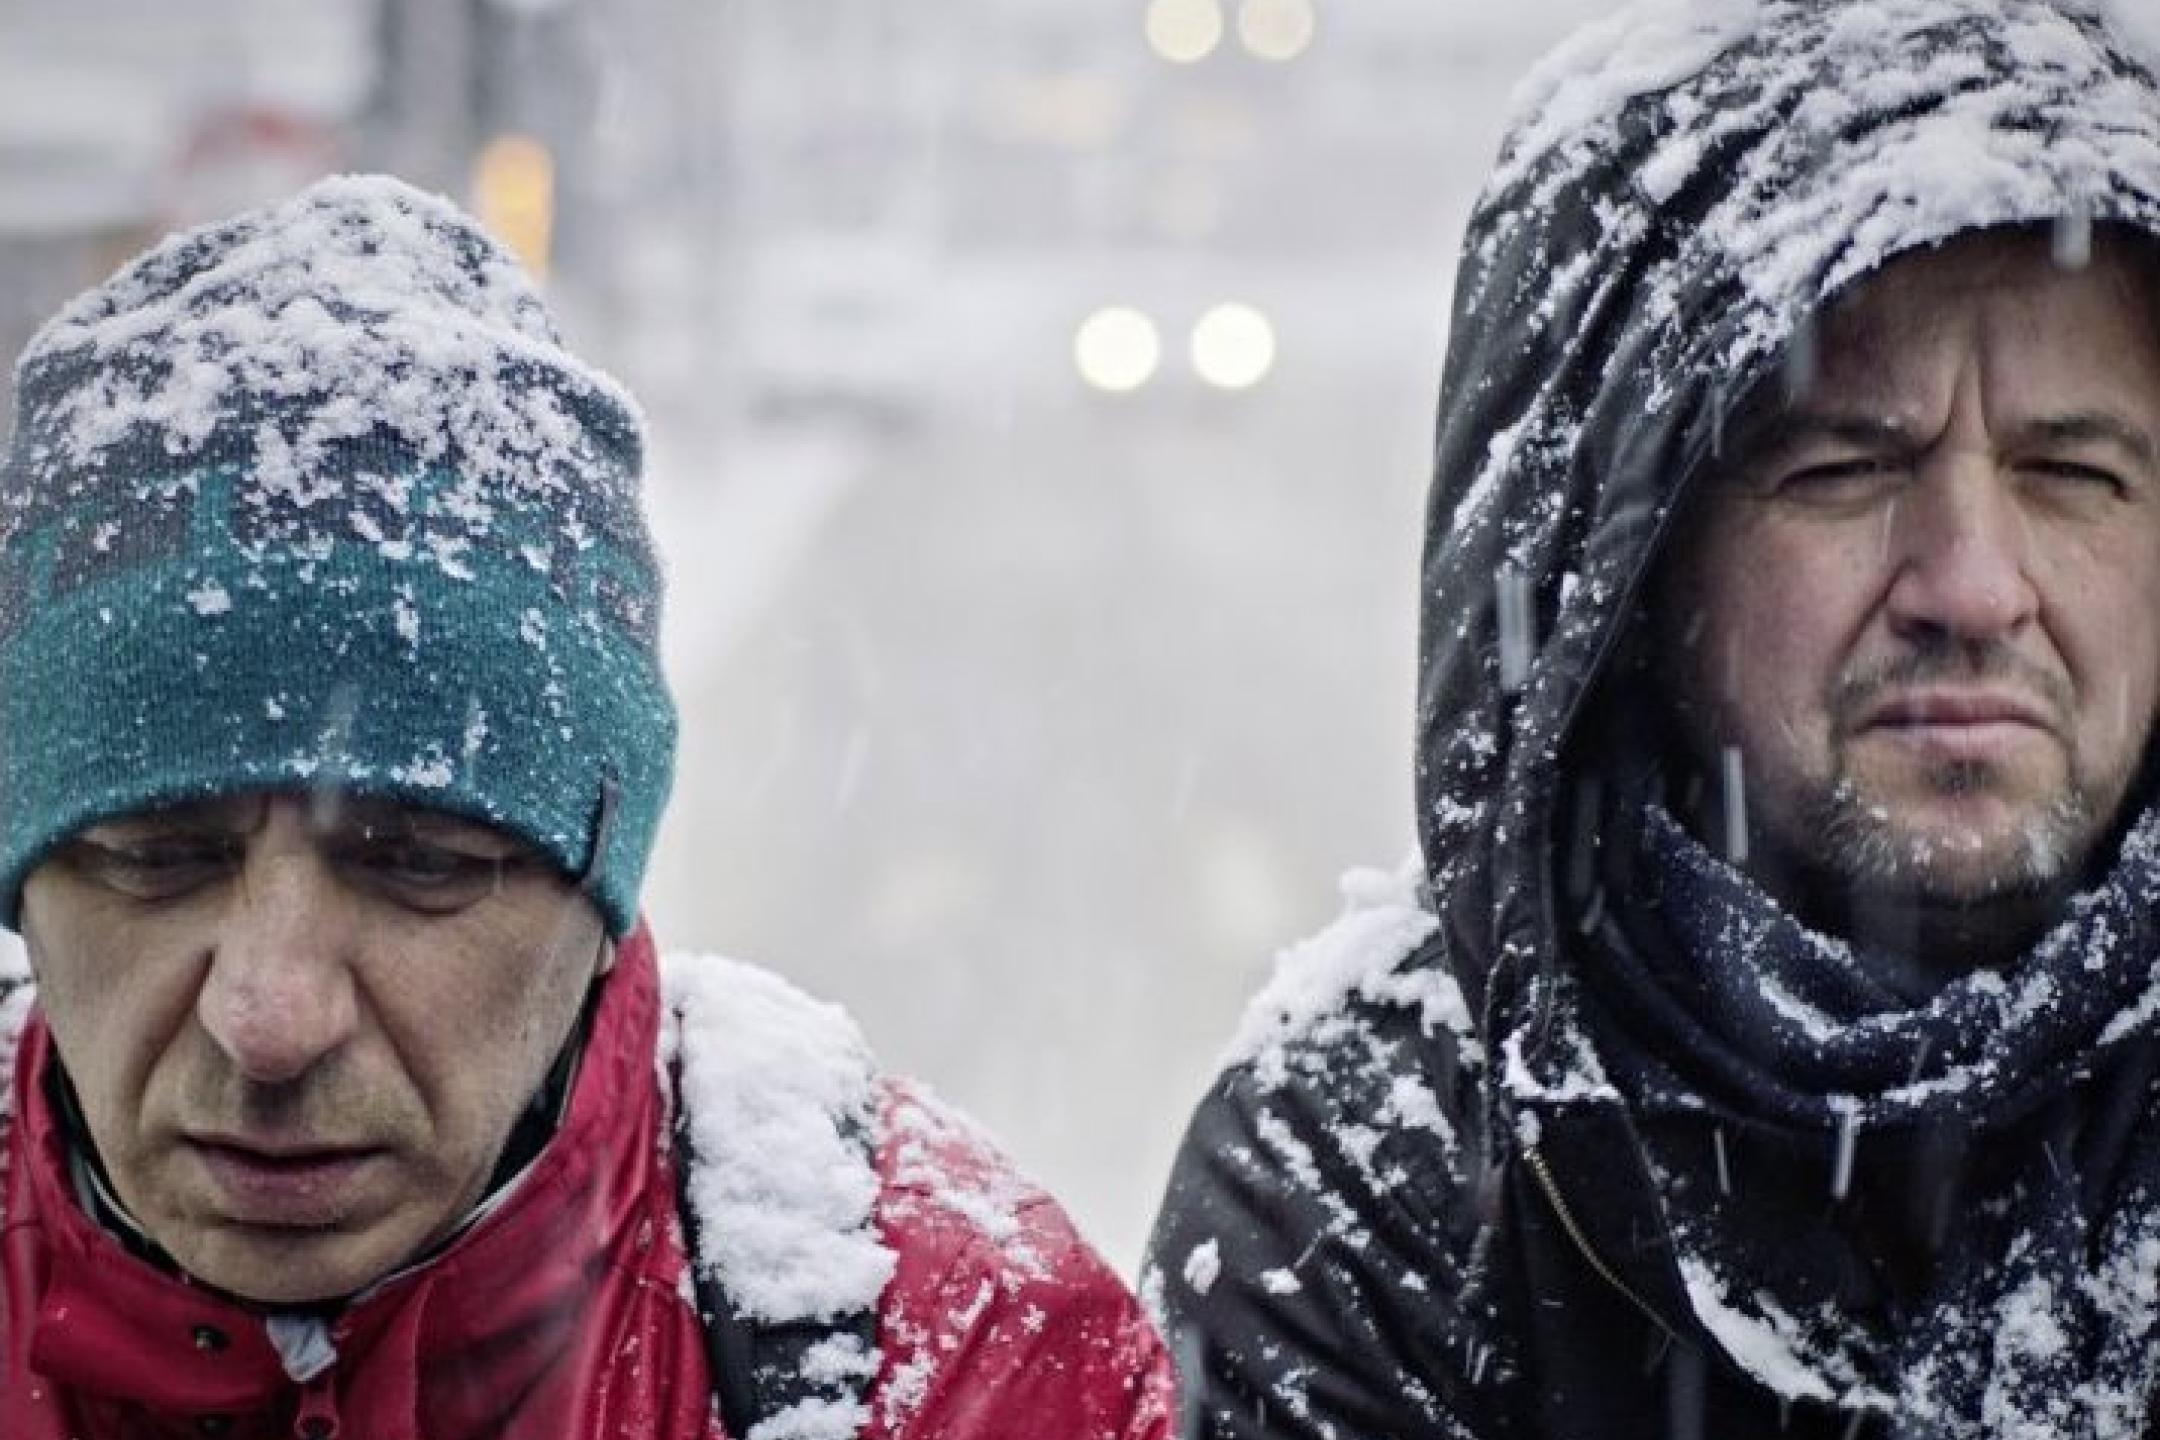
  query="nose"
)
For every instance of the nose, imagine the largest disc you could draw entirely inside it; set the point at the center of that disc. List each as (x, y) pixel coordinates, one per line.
(1962, 554)
(279, 997)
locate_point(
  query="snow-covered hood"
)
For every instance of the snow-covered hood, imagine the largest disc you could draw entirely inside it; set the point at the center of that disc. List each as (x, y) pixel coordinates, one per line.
(1682, 187)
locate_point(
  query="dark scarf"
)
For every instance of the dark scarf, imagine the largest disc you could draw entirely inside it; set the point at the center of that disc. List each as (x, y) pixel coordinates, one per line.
(1946, 1213)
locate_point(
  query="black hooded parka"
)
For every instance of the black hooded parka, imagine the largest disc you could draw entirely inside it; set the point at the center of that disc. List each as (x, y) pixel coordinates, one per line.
(1413, 1206)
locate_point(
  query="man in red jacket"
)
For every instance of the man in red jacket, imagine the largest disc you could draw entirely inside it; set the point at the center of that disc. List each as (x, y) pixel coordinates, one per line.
(348, 1096)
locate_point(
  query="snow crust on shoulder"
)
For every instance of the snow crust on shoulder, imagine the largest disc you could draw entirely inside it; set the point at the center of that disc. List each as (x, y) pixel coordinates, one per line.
(1357, 957)
(777, 1091)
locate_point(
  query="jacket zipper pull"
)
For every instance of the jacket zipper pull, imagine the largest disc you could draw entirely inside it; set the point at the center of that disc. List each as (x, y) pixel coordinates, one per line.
(318, 1416)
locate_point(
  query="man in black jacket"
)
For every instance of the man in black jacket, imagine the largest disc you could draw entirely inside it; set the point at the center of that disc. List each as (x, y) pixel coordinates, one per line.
(1768, 1042)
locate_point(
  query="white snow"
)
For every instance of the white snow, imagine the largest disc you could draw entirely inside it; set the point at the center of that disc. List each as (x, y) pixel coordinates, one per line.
(772, 1085)
(417, 340)
(210, 598)
(1930, 140)
(1203, 1266)
(1644, 47)
(814, 1419)
(1575, 1079)
(1383, 923)
(944, 1157)
(1768, 1347)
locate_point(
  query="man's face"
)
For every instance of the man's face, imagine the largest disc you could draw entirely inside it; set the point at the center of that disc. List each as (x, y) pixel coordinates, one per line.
(1924, 602)
(301, 1033)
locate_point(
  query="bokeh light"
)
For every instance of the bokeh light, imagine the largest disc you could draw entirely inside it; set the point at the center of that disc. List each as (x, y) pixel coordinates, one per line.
(1184, 31)
(1276, 29)
(1117, 349)
(514, 197)
(1233, 346)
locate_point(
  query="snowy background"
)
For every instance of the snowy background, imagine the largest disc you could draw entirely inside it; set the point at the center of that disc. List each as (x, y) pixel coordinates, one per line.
(1038, 676)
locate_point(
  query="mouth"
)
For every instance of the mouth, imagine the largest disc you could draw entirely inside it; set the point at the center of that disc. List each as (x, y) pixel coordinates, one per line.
(1938, 725)
(1955, 710)
(278, 1185)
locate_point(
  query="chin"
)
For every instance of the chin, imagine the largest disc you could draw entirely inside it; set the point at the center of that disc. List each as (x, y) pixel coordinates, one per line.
(1971, 847)
(1959, 866)
(302, 1269)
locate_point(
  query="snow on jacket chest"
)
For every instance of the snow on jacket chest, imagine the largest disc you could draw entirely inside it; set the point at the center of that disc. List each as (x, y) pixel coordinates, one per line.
(569, 1310)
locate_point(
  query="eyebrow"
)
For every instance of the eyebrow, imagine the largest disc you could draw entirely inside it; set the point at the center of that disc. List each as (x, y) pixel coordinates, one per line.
(1788, 428)
(1783, 429)
(2088, 426)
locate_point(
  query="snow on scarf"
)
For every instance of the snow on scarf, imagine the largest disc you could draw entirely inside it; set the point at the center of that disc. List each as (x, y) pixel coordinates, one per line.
(2038, 1318)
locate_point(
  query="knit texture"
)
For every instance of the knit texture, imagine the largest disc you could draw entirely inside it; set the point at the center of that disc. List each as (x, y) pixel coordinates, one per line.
(316, 498)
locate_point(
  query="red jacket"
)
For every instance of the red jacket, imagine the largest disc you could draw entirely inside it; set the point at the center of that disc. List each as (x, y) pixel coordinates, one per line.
(566, 1313)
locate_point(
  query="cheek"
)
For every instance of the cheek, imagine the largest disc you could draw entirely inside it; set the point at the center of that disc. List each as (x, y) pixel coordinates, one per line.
(69, 960)
(1725, 635)
(486, 1012)
(116, 1011)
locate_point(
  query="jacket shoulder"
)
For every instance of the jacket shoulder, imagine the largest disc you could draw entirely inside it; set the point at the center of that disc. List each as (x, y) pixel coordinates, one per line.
(823, 1188)
(1321, 1255)
(1362, 970)
(999, 1309)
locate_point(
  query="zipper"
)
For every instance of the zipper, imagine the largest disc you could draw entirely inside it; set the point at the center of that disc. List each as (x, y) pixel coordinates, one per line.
(1560, 1210)
(318, 1415)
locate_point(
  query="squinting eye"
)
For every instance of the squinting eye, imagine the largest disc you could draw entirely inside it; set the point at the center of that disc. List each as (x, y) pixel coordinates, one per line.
(1836, 481)
(158, 868)
(2078, 474)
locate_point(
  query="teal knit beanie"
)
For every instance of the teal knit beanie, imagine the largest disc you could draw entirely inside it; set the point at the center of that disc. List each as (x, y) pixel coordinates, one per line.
(316, 498)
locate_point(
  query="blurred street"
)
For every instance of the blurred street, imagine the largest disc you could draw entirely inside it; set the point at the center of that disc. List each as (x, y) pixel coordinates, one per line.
(1039, 674)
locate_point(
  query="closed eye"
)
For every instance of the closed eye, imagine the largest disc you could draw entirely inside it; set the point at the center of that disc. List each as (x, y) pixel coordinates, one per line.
(1837, 482)
(424, 874)
(2078, 472)
(155, 867)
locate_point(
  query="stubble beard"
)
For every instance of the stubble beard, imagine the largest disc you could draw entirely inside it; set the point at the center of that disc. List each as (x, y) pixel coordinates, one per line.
(1926, 907)
(1863, 842)
(1848, 838)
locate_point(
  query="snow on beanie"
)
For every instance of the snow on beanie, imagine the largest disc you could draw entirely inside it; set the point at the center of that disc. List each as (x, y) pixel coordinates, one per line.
(315, 497)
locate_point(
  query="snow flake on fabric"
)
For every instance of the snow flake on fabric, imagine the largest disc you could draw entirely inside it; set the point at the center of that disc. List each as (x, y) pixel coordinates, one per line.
(1774, 1346)
(943, 1160)
(1006, 1291)
(815, 1419)
(1563, 1069)
(1203, 1266)
(1648, 46)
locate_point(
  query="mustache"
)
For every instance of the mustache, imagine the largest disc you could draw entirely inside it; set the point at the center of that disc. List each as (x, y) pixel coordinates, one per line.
(1989, 662)
(329, 1105)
